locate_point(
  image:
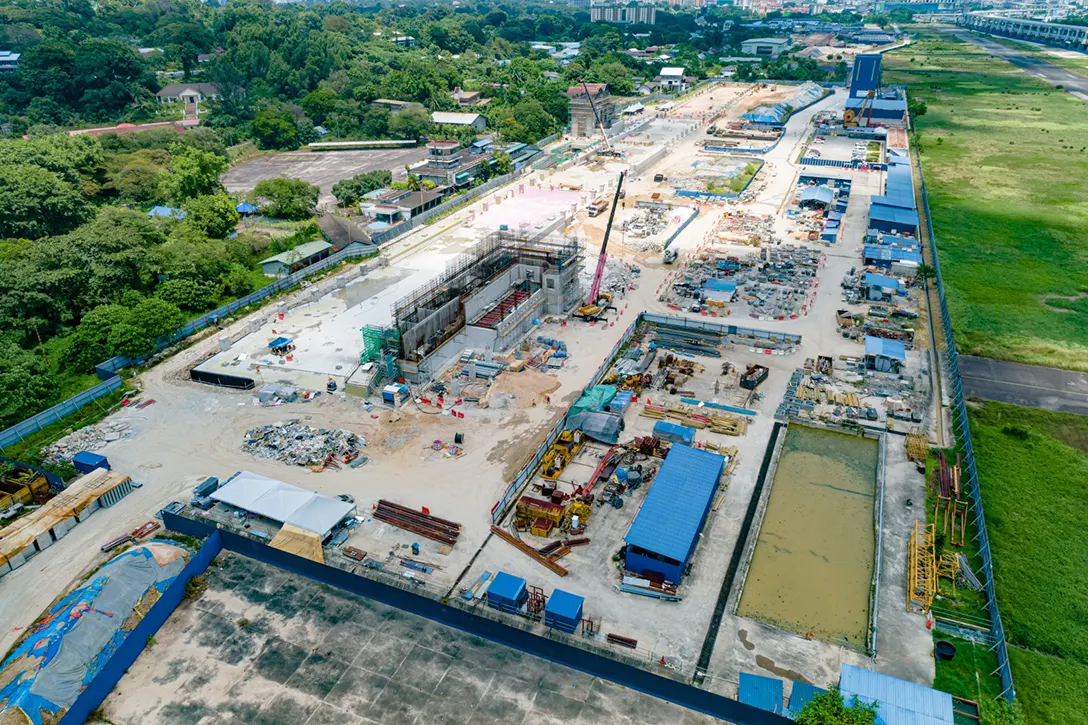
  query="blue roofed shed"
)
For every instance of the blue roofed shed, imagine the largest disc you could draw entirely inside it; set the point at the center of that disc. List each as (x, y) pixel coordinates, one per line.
(880, 287)
(892, 349)
(664, 534)
(899, 702)
(86, 461)
(507, 592)
(884, 255)
(167, 212)
(762, 692)
(563, 611)
(817, 196)
(892, 219)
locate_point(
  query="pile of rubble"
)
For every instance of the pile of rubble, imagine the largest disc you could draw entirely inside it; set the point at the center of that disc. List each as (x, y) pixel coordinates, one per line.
(743, 228)
(296, 444)
(91, 438)
(619, 276)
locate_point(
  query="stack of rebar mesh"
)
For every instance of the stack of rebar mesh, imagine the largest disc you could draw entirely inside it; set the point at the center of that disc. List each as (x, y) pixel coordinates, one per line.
(418, 522)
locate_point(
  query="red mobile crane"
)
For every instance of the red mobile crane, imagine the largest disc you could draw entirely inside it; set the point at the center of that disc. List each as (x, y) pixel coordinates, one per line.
(598, 302)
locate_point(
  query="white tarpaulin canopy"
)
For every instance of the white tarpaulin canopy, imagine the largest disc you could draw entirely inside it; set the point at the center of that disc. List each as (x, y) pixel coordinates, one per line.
(283, 502)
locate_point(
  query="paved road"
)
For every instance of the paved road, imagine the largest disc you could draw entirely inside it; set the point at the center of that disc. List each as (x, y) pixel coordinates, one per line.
(1034, 66)
(1035, 387)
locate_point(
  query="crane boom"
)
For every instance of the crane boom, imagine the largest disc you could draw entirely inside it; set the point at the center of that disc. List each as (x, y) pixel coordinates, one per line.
(596, 116)
(595, 289)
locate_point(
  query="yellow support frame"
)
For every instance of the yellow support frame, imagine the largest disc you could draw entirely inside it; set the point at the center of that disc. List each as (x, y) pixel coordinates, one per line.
(921, 569)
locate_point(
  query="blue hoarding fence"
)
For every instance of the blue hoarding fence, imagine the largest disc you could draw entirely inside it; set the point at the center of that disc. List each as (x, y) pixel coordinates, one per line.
(111, 673)
(841, 164)
(47, 417)
(553, 646)
(962, 427)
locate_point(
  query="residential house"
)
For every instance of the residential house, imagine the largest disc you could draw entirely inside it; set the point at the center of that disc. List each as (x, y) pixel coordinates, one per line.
(448, 167)
(188, 93)
(392, 105)
(343, 233)
(9, 61)
(302, 256)
(469, 98)
(445, 118)
(672, 80)
(392, 206)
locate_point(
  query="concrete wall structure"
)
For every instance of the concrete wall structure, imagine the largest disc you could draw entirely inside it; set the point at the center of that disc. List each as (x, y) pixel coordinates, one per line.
(1063, 36)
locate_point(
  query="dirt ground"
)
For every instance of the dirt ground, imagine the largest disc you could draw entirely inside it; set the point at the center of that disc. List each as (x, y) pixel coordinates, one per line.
(265, 647)
(193, 431)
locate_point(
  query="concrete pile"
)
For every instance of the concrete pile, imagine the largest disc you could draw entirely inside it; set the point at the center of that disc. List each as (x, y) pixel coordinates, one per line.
(296, 444)
(618, 276)
(91, 438)
(744, 228)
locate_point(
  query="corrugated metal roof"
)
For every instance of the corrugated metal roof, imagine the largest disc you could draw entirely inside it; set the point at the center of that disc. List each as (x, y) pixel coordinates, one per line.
(886, 252)
(672, 514)
(762, 692)
(822, 194)
(282, 502)
(880, 280)
(565, 605)
(900, 702)
(893, 214)
(299, 253)
(802, 694)
(885, 348)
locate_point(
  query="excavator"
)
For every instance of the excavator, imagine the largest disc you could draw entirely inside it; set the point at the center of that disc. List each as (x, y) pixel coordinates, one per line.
(598, 301)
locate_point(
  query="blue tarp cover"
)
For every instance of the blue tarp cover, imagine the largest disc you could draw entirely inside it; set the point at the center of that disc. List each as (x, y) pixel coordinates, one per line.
(672, 514)
(279, 342)
(673, 432)
(167, 211)
(245, 208)
(885, 348)
(762, 692)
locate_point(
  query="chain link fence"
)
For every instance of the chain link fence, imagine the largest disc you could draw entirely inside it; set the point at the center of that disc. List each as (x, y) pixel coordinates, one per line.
(962, 429)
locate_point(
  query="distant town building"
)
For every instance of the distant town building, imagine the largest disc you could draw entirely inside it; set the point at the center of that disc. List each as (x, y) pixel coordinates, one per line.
(768, 47)
(468, 98)
(9, 61)
(583, 122)
(447, 118)
(393, 105)
(609, 12)
(673, 80)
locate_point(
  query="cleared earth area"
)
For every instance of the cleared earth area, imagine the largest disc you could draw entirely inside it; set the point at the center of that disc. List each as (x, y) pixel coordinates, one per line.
(266, 647)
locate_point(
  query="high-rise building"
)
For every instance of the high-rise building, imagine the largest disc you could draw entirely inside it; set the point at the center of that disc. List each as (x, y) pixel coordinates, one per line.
(607, 12)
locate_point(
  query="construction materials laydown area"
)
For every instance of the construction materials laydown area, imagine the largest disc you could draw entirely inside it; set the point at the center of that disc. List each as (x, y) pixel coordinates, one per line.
(545, 412)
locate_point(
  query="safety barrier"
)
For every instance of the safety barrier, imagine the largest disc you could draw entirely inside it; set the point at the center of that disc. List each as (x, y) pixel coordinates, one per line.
(553, 646)
(137, 638)
(962, 427)
(35, 423)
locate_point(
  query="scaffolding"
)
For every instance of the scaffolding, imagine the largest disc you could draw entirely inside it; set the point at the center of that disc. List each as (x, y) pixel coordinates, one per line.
(921, 569)
(435, 312)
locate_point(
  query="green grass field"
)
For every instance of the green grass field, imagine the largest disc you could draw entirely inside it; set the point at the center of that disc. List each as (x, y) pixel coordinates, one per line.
(1005, 158)
(1033, 468)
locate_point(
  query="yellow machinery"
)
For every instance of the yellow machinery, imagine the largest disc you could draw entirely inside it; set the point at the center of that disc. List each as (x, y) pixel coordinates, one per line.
(851, 119)
(561, 453)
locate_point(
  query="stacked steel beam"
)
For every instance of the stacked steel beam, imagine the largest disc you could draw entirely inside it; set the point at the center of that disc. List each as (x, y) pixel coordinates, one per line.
(418, 522)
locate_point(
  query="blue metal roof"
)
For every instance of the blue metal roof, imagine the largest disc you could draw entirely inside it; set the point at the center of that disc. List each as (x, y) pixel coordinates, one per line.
(802, 694)
(565, 605)
(762, 692)
(89, 458)
(506, 586)
(672, 514)
(882, 281)
(886, 252)
(726, 285)
(245, 208)
(822, 194)
(167, 211)
(885, 348)
(893, 215)
(900, 702)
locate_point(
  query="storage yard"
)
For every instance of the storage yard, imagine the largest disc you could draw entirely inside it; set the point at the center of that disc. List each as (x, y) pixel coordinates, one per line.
(478, 417)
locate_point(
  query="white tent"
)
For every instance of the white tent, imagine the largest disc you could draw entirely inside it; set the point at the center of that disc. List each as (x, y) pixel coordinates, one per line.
(284, 503)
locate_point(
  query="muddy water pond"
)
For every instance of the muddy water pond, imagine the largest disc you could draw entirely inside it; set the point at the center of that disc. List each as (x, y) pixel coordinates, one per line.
(812, 566)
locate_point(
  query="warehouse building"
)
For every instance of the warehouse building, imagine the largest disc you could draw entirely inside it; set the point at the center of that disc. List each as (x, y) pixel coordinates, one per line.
(664, 534)
(766, 47)
(893, 219)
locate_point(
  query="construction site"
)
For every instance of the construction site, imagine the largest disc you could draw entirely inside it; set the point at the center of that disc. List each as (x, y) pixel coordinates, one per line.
(586, 407)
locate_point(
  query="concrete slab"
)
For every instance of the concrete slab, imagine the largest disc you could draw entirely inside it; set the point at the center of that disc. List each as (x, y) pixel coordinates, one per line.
(1029, 385)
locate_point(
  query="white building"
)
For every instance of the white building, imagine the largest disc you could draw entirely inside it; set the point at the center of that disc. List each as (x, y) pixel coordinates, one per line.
(447, 118)
(768, 47)
(672, 79)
